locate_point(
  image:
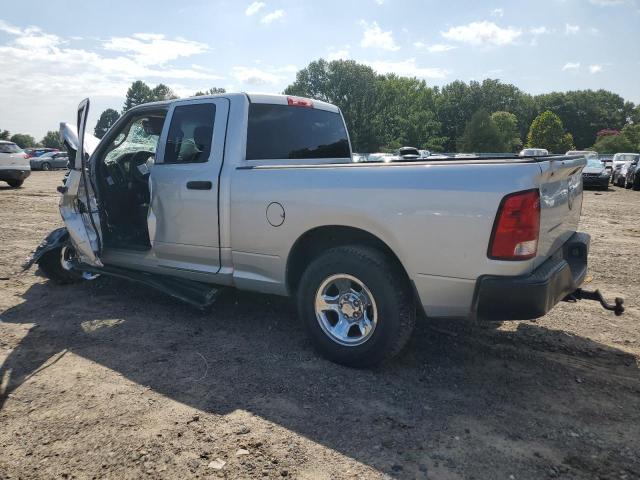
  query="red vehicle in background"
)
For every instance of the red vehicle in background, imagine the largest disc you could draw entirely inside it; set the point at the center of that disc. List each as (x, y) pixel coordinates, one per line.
(36, 152)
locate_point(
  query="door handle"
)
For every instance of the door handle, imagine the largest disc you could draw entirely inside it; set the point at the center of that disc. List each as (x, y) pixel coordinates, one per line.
(199, 185)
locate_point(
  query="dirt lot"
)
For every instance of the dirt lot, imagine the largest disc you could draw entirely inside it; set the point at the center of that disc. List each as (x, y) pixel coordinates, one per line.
(108, 379)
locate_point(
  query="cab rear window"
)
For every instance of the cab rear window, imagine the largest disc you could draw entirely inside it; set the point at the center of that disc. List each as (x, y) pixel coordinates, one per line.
(290, 132)
(9, 148)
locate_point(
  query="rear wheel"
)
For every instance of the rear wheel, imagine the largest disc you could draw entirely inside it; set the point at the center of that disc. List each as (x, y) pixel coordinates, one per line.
(356, 305)
(56, 265)
(15, 183)
(46, 166)
(636, 183)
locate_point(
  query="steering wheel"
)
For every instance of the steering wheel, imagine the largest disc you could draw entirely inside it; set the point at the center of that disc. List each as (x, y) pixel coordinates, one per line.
(139, 168)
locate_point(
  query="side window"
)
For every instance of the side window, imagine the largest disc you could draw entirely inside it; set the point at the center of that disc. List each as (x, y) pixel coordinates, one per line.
(190, 134)
(292, 132)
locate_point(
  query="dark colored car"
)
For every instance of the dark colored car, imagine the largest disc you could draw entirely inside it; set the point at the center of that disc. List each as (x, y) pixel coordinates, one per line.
(595, 174)
(36, 152)
(49, 161)
(633, 176)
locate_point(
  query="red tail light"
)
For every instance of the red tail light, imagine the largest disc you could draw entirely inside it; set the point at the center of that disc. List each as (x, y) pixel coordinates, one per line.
(299, 102)
(517, 227)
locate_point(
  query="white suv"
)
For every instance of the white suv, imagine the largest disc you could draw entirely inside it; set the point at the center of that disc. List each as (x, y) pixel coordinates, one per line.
(14, 164)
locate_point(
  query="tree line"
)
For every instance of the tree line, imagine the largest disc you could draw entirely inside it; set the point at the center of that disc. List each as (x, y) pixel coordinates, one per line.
(385, 112)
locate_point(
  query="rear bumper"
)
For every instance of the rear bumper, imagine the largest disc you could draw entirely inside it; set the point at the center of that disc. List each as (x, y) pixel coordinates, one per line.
(14, 173)
(532, 296)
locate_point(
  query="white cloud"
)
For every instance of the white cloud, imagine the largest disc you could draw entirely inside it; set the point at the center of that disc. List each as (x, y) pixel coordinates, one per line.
(435, 48)
(497, 12)
(595, 68)
(341, 54)
(254, 8)
(375, 37)
(539, 30)
(571, 29)
(154, 48)
(482, 33)
(571, 66)
(408, 68)
(254, 76)
(272, 17)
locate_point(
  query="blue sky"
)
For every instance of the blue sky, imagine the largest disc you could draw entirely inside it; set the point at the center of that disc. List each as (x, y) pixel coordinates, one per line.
(53, 54)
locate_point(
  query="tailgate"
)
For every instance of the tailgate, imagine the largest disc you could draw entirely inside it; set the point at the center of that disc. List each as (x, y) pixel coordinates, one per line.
(560, 203)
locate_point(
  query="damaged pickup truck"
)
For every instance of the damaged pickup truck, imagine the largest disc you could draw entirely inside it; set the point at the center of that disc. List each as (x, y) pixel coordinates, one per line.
(259, 192)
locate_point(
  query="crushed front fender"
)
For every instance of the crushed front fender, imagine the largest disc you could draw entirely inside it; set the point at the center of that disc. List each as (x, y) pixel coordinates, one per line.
(57, 238)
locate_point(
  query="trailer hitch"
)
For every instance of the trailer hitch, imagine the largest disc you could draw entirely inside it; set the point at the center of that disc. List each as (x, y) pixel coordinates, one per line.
(581, 294)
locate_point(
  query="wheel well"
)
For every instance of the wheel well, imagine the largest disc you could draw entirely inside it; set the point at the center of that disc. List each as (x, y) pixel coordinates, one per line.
(320, 239)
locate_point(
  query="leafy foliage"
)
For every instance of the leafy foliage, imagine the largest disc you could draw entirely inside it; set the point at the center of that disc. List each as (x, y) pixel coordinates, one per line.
(631, 132)
(548, 132)
(23, 140)
(210, 91)
(106, 120)
(507, 124)
(5, 134)
(161, 92)
(481, 135)
(613, 144)
(52, 140)
(138, 93)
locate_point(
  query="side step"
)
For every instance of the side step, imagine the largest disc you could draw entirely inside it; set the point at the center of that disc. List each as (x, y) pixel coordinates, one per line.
(198, 294)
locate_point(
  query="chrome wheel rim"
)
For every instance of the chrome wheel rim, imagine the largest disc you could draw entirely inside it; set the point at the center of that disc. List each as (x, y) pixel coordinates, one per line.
(346, 310)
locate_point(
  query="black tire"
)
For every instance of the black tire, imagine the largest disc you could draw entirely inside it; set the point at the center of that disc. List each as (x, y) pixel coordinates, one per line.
(390, 290)
(51, 265)
(636, 184)
(46, 166)
(627, 185)
(15, 183)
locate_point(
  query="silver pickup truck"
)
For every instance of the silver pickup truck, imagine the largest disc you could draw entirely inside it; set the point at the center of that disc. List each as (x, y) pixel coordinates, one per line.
(259, 192)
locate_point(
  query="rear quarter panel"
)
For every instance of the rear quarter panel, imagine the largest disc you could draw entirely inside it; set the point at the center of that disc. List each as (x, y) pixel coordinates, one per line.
(437, 218)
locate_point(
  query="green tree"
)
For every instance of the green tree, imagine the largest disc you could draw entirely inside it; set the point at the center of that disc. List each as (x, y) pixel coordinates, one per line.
(586, 112)
(507, 124)
(547, 132)
(350, 86)
(52, 140)
(481, 135)
(23, 140)
(104, 123)
(138, 93)
(210, 91)
(4, 134)
(404, 114)
(613, 144)
(162, 92)
(631, 132)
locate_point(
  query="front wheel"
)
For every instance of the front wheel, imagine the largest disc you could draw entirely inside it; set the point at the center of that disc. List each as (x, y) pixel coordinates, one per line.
(46, 166)
(56, 265)
(15, 183)
(356, 305)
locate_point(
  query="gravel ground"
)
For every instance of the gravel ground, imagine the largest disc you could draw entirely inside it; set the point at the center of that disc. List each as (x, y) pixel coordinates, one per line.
(109, 379)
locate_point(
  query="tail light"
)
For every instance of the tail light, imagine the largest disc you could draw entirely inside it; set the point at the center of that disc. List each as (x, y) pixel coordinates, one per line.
(517, 227)
(299, 102)
(24, 155)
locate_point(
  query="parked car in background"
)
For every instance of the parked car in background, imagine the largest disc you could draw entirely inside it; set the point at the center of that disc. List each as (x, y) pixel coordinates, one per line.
(36, 152)
(622, 158)
(533, 152)
(586, 153)
(465, 155)
(424, 154)
(594, 174)
(407, 154)
(619, 174)
(632, 179)
(14, 164)
(49, 161)
(358, 157)
(380, 157)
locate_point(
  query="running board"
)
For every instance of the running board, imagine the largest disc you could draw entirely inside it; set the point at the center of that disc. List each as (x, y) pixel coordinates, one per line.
(581, 294)
(198, 294)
